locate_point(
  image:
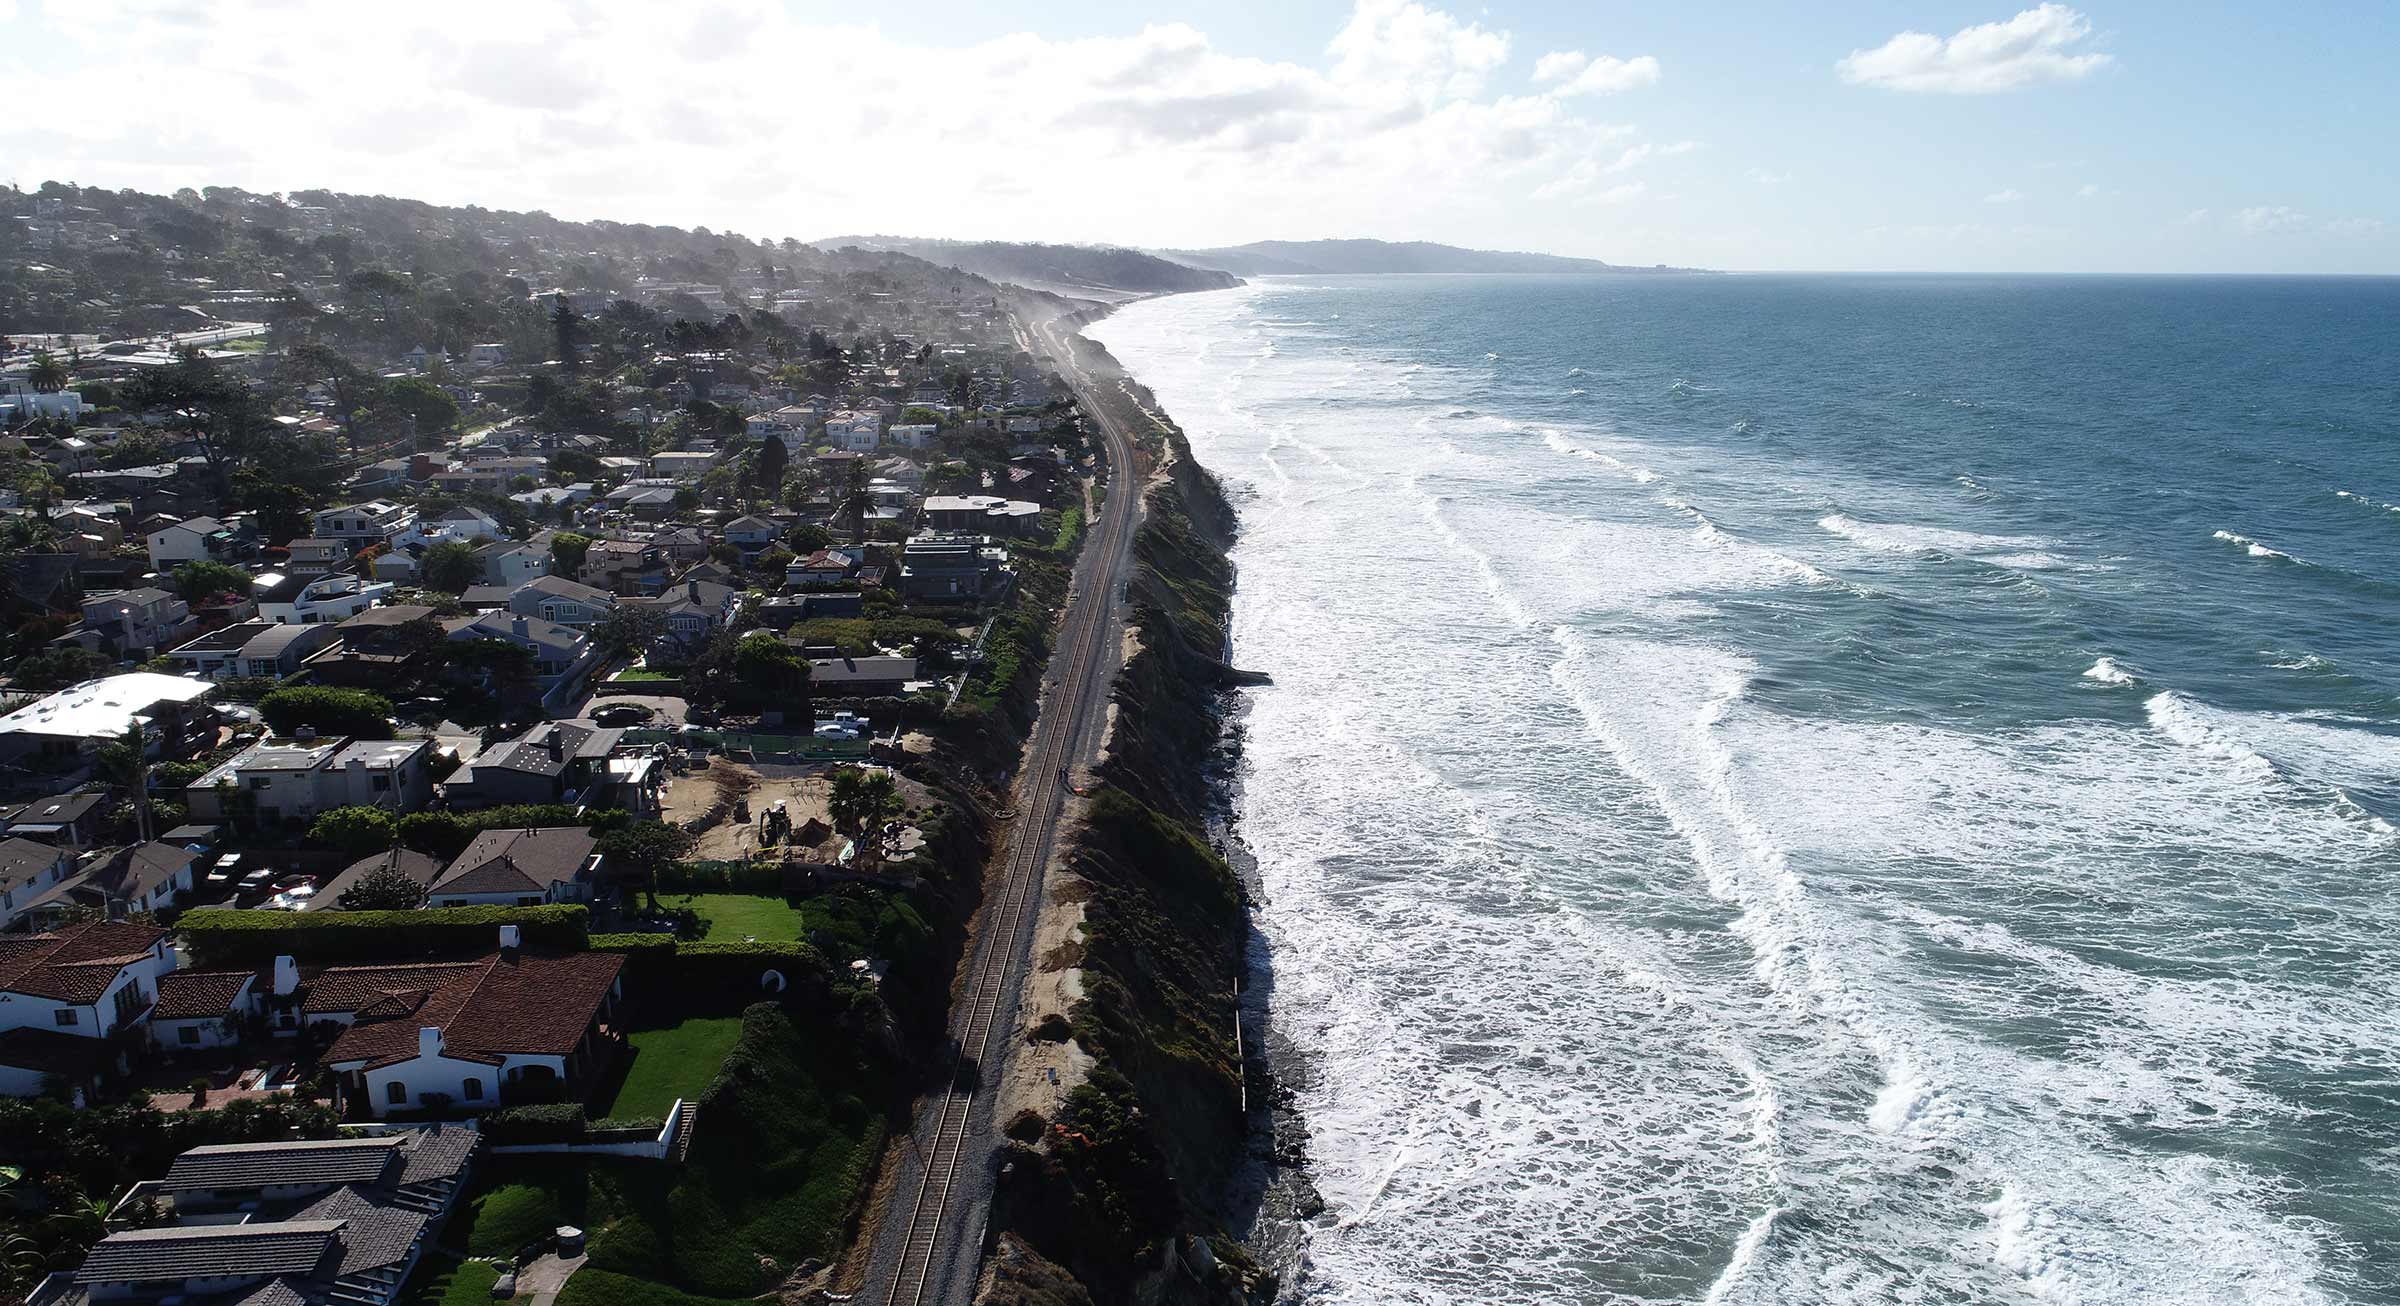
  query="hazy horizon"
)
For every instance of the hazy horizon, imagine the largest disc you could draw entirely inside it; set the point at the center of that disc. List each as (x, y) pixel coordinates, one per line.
(1929, 137)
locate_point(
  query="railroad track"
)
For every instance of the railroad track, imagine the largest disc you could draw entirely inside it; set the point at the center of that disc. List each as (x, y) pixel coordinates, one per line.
(946, 1134)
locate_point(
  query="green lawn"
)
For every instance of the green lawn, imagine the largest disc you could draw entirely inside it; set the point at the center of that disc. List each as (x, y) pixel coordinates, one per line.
(520, 1200)
(671, 1063)
(738, 916)
(595, 1287)
(635, 675)
(440, 1281)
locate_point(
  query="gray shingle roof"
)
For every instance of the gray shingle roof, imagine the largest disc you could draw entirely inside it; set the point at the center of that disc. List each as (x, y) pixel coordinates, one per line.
(257, 1165)
(227, 1250)
(373, 1235)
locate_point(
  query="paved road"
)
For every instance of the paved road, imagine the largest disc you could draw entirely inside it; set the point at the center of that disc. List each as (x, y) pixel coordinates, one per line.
(927, 1252)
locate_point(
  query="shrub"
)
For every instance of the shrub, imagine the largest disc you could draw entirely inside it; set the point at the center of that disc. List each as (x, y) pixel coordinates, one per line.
(354, 831)
(355, 713)
(226, 937)
(556, 1122)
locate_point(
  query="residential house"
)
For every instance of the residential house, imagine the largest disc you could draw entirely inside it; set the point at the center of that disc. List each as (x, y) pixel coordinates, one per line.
(854, 431)
(378, 648)
(317, 557)
(63, 992)
(147, 877)
(694, 611)
(63, 820)
(216, 654)
(683, 464)
(915, 435)
(823, 568)
(279, 650)
(319, 600)
(486, 356)
(567, 602)
(27, 871)
(562, 655)
(343, 1220)
(950, 568)
(625, 567)
(409, 862)
(203, 1010)
(751, 533)
(360, 524)
(683, 545)
(554, 762)
(982, 513)
(75, 721)
(870, 677)
(194, 539)
(521, 868)
(136, 623)
(289, 781)
(468, 1035)
(514, 562)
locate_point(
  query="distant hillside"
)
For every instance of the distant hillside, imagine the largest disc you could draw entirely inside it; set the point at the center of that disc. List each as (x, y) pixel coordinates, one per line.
(1336, 257)
(1087, 271)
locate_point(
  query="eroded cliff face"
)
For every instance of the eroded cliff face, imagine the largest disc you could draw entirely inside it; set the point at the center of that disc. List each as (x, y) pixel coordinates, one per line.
(1115, 1190)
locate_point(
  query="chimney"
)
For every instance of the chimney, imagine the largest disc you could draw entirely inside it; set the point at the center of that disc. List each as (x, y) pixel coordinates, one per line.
(287, 977)
(517, 625)
(508, 938)
(558, 745)
(305, 735)
(693, 589)
(429, 1041)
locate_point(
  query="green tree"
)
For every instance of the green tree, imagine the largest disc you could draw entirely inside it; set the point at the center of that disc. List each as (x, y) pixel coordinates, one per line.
(436, 834)
(352, 713)
(640, 853)
(48, 375)
(452, 566)
(60, 667)
(386, 888)
(862, 800)
(567, 552)
(628, 629)
(354, 831)
(773, 461)
(127, 761)
(413, 398)
(203, 577)
(768, 674)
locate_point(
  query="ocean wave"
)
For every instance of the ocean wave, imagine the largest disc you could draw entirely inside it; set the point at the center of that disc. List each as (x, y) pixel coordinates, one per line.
(2108, 671)
(2013, 552)
(1559, 443)
(2285, 660)
(1573, 393)
(2256, 549)
(2365, 502)
(1574, 371)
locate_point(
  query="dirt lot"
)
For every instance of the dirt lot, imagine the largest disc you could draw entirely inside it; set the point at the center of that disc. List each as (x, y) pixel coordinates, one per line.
(705, 799)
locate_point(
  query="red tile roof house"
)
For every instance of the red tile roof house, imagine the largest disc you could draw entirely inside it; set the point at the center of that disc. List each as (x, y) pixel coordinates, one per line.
(201, 1010)
(465, 1035)
(63, 993)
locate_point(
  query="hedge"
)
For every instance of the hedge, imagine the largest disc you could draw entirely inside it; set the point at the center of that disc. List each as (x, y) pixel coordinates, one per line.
(691, 966)
(222, 936)
(555, 1122)
(760, 878)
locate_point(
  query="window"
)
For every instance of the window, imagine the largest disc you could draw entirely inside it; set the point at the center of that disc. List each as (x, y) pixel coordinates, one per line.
(258, 782)
(396, 1093)
(381, 783)
(68, 1016)
(473, 1089)
(188, 1034)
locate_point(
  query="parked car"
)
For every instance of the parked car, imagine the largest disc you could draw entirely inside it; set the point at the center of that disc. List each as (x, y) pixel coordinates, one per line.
(227, 870)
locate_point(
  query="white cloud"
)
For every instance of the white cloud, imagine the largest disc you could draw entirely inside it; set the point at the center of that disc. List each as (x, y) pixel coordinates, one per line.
(1576, 73)
(2088, 190)
(2355, 227)
(1196, 144)
(2035, 46)
(2268, 218)
(2009, 196)
(2193, 218)
(1764, 177)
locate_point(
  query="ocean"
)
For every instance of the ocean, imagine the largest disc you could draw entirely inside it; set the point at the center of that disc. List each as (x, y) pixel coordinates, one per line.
(1821, 789)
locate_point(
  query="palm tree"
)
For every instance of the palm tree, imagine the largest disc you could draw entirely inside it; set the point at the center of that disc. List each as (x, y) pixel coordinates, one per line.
(127, 760)
(855, 501)
(48, 375)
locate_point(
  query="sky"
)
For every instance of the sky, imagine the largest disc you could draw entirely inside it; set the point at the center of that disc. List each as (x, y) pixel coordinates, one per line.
(2134, 135)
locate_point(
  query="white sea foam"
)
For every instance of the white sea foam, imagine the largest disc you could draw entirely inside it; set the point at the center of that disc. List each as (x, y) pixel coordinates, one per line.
(1559, 443)
(2365, 502)
(1900, 537)
(2108, 671)
(2253, 547)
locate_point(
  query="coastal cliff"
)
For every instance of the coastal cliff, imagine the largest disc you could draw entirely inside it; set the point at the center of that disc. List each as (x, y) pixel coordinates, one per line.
(1114, 1190)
